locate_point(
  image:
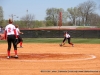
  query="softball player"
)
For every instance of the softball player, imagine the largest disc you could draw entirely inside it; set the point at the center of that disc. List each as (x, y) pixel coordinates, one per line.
(20, 40)
(10, 34)
(2, 37)
(66, 36)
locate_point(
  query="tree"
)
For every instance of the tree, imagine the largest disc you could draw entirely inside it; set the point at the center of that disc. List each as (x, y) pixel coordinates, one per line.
(64, 17)
(86, 9)
(94, 19)
(99, 7)
(39, 24)
(73, 14)
(1, 15)
(28, 20)
(52, 16)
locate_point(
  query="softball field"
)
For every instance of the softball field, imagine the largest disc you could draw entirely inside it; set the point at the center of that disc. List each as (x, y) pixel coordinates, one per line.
(51, 59)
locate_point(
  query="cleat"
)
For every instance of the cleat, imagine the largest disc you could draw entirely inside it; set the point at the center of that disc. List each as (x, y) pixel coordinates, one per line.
(72, 45)
(16, 56)
(63, 44)
(8, 57)
(60, 44)
(21, 47)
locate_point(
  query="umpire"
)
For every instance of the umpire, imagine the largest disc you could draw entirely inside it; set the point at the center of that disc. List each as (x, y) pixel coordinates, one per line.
(10, 35)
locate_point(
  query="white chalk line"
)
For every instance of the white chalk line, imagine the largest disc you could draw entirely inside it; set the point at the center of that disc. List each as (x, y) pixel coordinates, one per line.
(65, 60)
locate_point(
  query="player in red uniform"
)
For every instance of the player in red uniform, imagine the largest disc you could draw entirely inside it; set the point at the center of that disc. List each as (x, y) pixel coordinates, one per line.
(66, 36)
(10, 34)
(2, 37)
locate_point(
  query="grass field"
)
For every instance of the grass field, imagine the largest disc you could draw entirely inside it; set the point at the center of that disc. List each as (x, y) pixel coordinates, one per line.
(58, 40)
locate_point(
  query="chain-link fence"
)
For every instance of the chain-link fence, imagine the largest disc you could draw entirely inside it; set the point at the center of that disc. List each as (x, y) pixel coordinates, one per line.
(59, 33)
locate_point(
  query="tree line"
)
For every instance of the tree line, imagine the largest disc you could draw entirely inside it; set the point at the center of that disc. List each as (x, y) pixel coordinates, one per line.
(82, 15)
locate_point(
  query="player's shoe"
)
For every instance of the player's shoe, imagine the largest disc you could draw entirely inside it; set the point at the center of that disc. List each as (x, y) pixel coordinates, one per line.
(21, 47)
(60, 44)
(16, 56)
(72, 45)
(63, 44)
(8, 57)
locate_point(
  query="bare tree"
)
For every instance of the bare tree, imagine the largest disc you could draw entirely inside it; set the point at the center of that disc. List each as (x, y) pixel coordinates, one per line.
(28, 20)
(94, 19)
(99, 7)
(86, 9)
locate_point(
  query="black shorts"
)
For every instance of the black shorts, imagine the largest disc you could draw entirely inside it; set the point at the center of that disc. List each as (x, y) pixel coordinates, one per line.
(20, 39)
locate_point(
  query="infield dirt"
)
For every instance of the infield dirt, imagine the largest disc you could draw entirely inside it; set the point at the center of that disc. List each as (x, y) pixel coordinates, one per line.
(51, 59)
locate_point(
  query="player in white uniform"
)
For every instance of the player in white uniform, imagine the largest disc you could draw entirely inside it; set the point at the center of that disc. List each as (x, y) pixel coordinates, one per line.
(20, 40)
(10, 35)
(66, 36)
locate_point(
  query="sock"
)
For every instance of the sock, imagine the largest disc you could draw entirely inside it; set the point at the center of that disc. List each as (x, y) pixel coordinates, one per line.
(8, 52)
(15, 52)
(20, 44)
(71, 43)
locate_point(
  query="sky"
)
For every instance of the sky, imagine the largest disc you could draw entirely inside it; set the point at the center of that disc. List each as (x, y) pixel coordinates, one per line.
(37, 7)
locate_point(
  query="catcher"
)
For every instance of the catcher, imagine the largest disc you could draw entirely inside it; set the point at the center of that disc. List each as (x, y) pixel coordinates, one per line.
(66, 36)
(20, 40)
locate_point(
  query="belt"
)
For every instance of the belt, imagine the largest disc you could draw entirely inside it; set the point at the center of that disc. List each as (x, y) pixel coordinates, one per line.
(11, 34)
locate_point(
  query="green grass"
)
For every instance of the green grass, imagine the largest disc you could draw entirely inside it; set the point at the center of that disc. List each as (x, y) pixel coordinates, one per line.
(58, 40)
(88, 41)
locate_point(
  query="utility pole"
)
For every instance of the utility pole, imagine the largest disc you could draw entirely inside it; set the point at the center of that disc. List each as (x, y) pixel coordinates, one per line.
(27, 12)
(12, 17)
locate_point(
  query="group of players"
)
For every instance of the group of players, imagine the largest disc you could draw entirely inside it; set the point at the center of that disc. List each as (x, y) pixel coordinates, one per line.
(12, 34)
